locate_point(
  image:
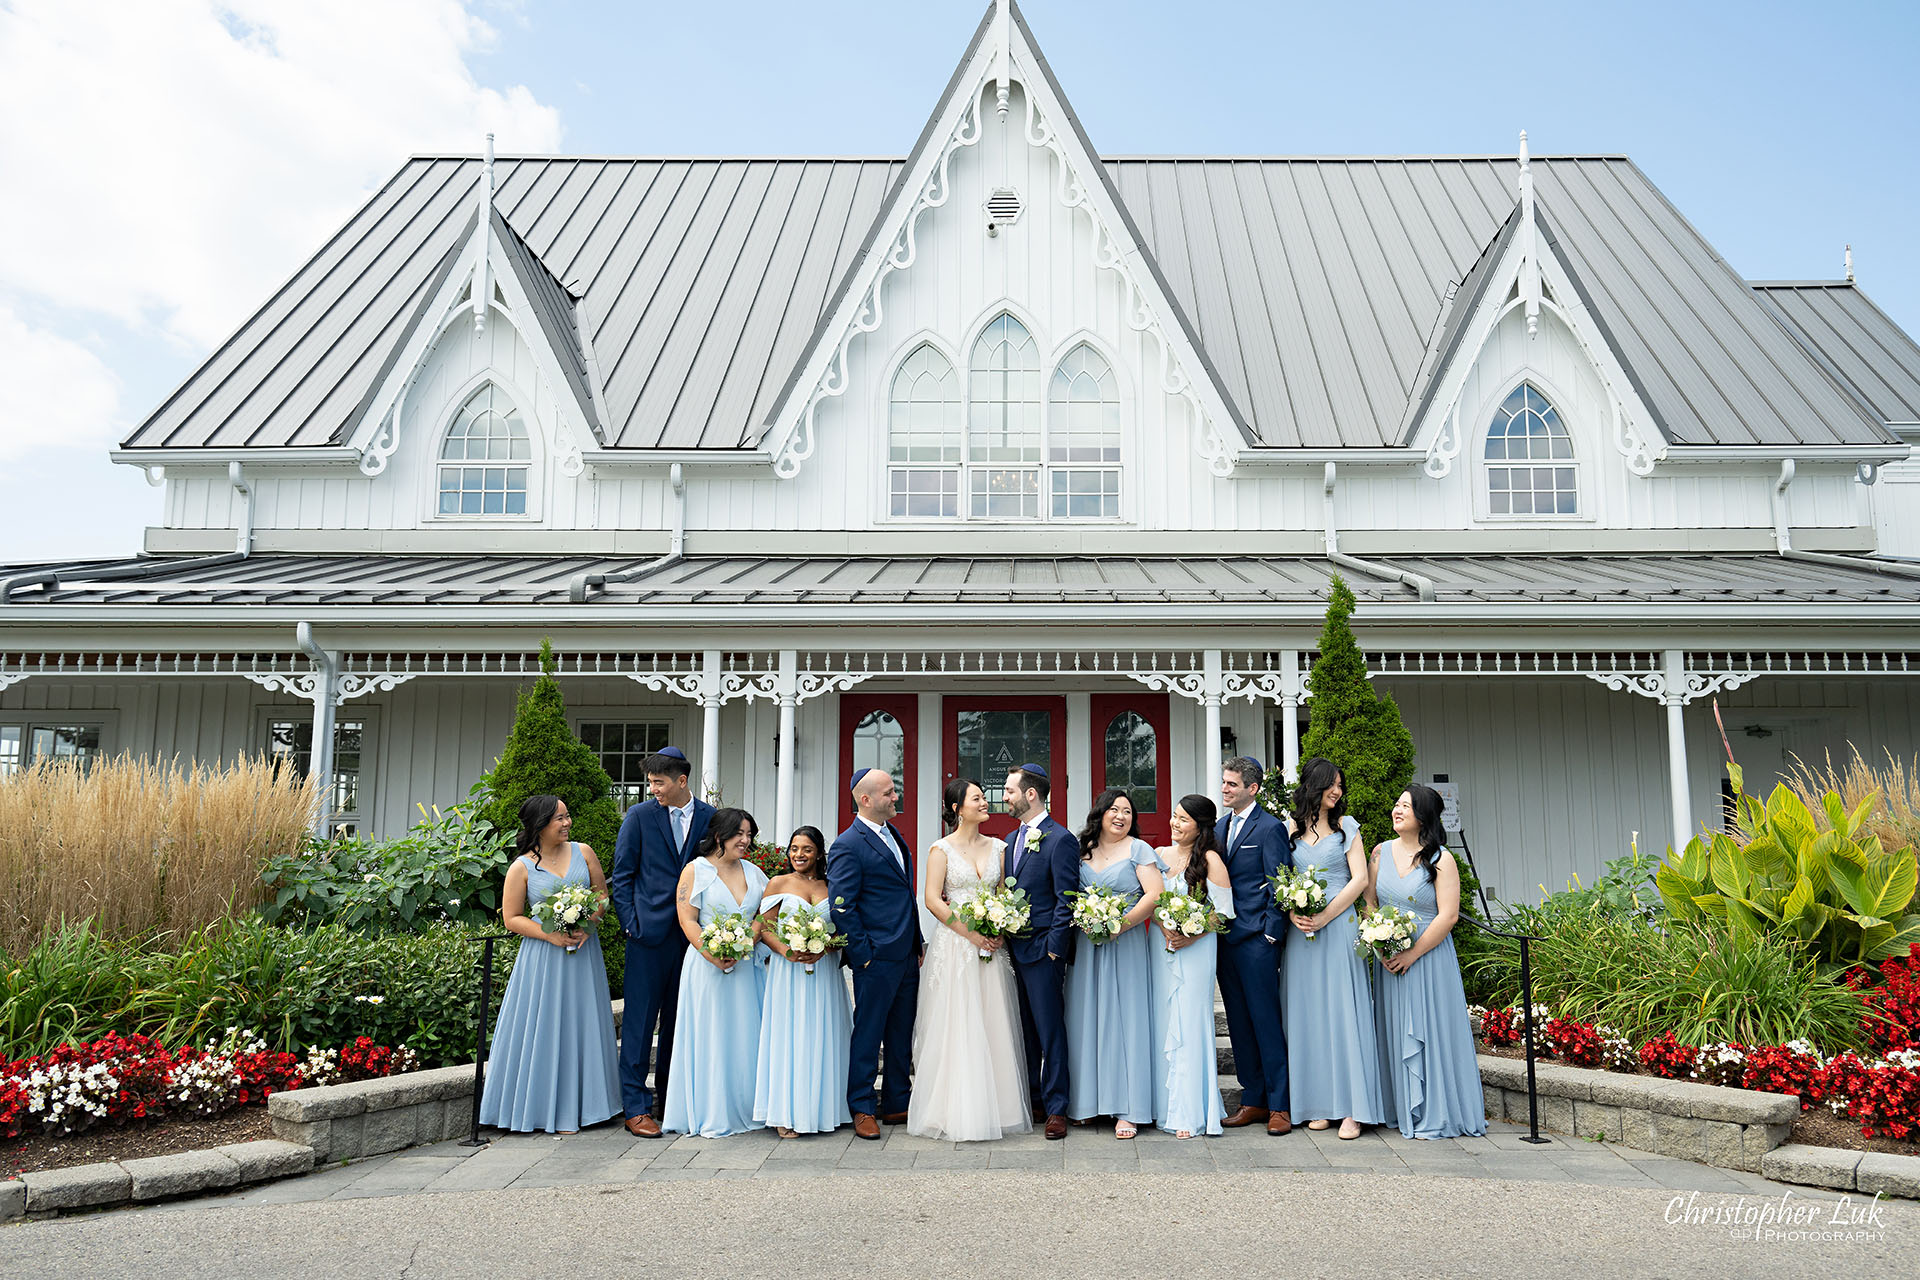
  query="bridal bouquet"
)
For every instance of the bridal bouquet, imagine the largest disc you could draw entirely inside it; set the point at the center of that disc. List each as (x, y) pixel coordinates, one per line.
(1000, 912)
(568, 908)
(1300, 889)
(728, 936)
(1385, 932)
(1099, 913)
(809, 930)
(1188, 915)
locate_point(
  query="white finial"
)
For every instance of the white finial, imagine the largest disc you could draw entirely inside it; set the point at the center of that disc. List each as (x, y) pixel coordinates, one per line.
(1529, 243)
(481, 288)
(1003, 21)
(1849, 264)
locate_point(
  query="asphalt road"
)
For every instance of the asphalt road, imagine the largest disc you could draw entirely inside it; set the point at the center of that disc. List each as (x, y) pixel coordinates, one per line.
(932, 1227)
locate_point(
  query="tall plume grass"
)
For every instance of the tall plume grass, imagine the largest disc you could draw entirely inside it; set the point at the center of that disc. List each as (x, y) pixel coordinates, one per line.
(1896, 819)
(137, 848)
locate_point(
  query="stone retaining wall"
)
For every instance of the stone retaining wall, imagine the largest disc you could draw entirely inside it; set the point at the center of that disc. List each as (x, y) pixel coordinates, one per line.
(371, 1117)
(111, 1182)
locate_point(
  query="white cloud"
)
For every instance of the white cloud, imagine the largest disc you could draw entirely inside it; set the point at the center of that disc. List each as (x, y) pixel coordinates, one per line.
(58, 394)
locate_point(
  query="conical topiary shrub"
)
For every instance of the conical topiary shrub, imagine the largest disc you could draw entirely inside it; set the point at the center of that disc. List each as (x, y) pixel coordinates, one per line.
(542, 757)
(1353, 726)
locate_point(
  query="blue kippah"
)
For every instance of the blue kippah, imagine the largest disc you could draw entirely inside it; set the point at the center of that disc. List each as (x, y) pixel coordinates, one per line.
(1260, 768)
(672, 753)
(858, 774)
(1035, 770)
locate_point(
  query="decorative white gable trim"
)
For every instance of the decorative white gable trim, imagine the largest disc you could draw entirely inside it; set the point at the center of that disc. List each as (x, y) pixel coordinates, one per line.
(1006, 57)
(1531, 276)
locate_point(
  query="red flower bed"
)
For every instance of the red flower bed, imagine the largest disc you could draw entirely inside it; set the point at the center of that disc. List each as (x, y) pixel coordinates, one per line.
(1782, 1068)
(1892, 1021)
(1577, 1043)
(1667, 1058)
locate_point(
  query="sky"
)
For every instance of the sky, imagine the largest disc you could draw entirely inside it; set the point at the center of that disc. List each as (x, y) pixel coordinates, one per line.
(167, 164)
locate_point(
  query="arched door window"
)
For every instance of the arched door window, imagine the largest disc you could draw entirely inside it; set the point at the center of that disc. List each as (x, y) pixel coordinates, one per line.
(1133, 760)
(485, 458)
(1531, 470)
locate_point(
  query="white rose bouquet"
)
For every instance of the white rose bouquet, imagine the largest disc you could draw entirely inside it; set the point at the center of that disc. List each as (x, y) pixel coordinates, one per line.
(1385, 932)
(728, 936)
(809, 931)
(1300, 889)
(570, 907)
(1099, 913)
(999, 912)
(1187, 915)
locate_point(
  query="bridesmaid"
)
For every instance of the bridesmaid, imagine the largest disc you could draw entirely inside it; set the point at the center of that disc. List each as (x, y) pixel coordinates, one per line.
(715, 1046)
(1333, 1052)
(553, 1065)
(1426, 1038)
(807, 1022)
(1110, 1039)
(1186, 1066)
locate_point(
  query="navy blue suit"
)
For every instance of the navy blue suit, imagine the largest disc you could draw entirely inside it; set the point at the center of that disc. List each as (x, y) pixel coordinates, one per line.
(1250, 957)
(874, 905)
(646, 871)
(1048, 874)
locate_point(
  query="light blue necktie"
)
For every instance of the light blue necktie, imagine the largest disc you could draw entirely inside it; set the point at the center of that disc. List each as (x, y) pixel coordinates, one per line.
(679, 832)
(1233, 831)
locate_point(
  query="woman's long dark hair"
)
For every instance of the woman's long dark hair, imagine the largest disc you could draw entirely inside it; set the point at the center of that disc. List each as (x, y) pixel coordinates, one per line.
(1097, 816)
(819, 871)
(536, 812)
(1427, 808)
(1316, 777)
(1204, 815)
(723, 826)
(952, 796)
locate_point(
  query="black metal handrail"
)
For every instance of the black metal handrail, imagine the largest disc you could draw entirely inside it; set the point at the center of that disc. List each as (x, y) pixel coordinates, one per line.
(1526, 1010)
(485, 965)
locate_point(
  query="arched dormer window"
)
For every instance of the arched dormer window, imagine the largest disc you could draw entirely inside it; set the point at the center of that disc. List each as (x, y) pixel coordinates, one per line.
(1530, 467)
(923, 436)
(485, 458)
(1003, 422)
(1083, 438)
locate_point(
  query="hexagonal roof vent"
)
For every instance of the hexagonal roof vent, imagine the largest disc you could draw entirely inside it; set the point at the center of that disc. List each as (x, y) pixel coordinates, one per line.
(1003, 209)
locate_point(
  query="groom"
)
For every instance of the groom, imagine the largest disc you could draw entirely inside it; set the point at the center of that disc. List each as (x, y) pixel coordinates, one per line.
(1254, 845)
(870, 881)
(1044, 858)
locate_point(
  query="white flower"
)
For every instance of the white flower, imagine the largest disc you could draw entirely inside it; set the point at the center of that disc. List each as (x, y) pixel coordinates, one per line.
(1194, 927)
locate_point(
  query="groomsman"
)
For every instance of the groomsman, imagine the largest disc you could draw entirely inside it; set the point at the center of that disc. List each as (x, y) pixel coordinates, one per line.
(657, 840)
(870, 881)
(1044, 858)
(1255, 845)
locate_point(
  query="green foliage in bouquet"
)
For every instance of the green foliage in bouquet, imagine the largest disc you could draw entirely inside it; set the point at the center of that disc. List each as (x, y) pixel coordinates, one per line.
(542, 757)
(1353, 726)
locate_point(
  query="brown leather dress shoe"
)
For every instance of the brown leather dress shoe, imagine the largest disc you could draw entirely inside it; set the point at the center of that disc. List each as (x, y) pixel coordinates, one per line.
(1056, 1128)
(643, 1126)
(894, 1117)
(865, 1126)
(1039, 1114)
(1244, 1117)
(1278, 1123)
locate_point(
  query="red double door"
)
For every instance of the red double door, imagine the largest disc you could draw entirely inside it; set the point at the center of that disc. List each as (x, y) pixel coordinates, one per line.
(984, 738)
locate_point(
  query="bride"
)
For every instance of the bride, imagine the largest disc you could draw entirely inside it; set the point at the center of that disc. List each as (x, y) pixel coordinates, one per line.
(970, 1078)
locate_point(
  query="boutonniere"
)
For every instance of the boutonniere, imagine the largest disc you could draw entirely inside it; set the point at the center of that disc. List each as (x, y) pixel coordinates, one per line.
(1033, 839)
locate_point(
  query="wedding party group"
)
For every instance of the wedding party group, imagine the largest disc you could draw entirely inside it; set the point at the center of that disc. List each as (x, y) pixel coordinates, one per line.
(1067, 979)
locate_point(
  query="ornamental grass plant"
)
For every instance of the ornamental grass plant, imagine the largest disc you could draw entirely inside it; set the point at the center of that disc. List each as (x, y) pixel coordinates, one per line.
(138, 847)
(1895, 819)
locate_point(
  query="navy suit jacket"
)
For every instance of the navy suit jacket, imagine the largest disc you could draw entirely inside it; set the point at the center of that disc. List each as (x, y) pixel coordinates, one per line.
(873, 899)
(1048, 874)
(1264, 848)
(646, 870)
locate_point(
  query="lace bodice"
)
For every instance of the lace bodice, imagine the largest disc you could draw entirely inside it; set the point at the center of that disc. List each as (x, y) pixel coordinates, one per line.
(962, 878)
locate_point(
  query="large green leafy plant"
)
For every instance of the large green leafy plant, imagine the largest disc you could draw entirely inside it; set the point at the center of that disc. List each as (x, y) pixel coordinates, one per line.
(1836, 890)
(542, 757)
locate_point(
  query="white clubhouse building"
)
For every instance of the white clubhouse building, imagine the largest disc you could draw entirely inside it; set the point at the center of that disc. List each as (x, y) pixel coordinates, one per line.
(1009, 451)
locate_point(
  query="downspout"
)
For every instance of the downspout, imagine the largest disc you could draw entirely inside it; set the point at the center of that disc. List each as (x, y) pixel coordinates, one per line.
(1420, 585)
(1783, 536)
(326, 667)
(238, 479)
(584, 584)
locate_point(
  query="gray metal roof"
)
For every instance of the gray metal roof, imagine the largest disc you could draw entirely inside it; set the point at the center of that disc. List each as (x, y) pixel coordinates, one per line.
(1854, 340)
(328, 580)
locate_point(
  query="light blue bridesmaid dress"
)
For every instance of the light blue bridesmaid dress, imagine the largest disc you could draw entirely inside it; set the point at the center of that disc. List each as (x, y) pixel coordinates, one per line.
(716, 1039)
(1333, 1050)
(1186, 1076)
(806, 1027)
(1426, 1039)
(1110, 1023)
(553, 1064)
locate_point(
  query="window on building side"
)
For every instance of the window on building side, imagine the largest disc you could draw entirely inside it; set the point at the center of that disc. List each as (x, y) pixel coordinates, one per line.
(1531, 469)
(923, 436)
(1083, 438)
(23, 744)
(1003, 423)
(623, 747)
(485, 458)
(292, 741)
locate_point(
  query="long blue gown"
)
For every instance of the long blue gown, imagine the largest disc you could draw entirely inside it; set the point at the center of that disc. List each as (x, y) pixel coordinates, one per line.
(716, 1039)
(806, 1027)
(1426, 1039)
(553, 1064)
(1110, 1024)
(1333, 1050)
(1186, 1077)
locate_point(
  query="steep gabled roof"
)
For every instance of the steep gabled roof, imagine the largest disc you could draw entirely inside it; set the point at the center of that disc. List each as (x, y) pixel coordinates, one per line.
(556, 312)
(1855, 341)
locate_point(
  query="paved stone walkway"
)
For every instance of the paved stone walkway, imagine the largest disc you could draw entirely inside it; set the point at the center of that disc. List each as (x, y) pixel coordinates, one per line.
(608, 1155)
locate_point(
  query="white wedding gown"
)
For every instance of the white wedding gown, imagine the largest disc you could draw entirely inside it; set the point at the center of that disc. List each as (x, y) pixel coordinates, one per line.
(970, 1073)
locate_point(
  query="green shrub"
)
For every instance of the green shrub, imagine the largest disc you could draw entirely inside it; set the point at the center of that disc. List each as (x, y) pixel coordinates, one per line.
(542, 757)
(1354, 727)
(448, 868)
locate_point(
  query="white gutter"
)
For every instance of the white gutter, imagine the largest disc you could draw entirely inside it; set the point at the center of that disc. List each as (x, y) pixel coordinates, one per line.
(583, 584)
(262, 455)
(1422, 586)
(1783, 536)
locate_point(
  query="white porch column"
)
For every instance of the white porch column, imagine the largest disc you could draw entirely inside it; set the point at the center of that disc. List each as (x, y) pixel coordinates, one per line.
(1290, 690)
(1210, 697)
(326, 690)
(1674, 667)
(786, 690)
(710, 725)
